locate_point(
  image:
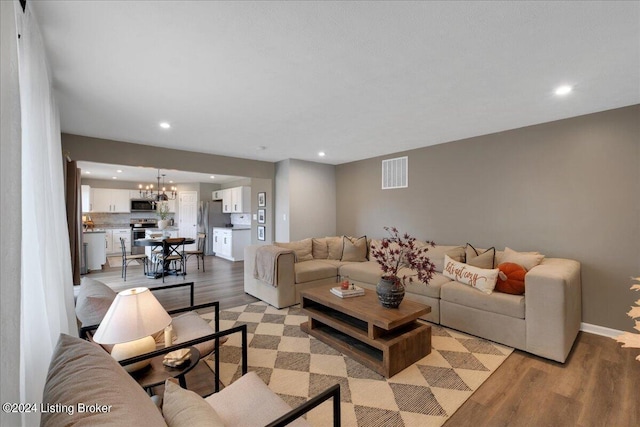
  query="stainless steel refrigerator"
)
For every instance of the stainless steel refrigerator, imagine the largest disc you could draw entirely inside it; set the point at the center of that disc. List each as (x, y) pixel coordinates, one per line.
(210, 215)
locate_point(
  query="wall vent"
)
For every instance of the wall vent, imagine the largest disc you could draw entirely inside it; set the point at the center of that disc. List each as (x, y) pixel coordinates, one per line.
(395, 173)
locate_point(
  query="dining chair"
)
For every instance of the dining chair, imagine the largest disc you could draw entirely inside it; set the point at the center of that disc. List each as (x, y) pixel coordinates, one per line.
(127, 258)
(199, 252)
(172, 254)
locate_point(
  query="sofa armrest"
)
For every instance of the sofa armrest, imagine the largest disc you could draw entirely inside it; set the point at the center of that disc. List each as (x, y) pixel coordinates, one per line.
(553, 307)
(282, 293)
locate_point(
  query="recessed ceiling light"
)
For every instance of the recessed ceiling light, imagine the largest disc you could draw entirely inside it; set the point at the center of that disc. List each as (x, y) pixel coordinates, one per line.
(321, 154)
(113, 177)
(87, 172)
(171, 182)
(119, 171)
(563, 90)
(165, 125)
(212, 177)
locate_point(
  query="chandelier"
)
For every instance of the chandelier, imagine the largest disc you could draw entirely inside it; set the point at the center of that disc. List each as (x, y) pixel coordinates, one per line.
(160, 194)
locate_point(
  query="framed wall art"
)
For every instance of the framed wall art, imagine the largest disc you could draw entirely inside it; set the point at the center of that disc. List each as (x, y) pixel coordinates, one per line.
(262, 199)
(262, 216)
(261, 232)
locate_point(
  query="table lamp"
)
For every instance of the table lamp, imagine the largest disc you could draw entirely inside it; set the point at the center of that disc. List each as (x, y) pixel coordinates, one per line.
(134, 315)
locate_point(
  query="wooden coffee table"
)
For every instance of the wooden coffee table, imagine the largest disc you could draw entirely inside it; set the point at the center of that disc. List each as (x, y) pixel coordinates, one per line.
(386, 340)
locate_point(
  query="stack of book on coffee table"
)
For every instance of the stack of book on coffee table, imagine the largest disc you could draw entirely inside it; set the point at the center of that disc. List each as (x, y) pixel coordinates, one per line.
(353, 291)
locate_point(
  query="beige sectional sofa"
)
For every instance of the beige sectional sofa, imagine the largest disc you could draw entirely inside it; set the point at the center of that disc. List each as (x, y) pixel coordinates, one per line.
(544, 321)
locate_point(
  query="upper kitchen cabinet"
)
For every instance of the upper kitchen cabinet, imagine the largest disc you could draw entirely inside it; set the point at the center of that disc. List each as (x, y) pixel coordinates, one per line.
(241, 199)
(110, 200)
(218, 195)
(236, 199)
(86, 198)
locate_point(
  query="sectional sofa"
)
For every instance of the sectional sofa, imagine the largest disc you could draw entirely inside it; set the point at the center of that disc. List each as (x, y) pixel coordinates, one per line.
(544, 321)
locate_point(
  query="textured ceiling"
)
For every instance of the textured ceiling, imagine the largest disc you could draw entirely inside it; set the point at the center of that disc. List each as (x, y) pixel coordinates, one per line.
(354, 79)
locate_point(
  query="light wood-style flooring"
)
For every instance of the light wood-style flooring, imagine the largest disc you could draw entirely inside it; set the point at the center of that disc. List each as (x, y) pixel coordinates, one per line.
(598, 386)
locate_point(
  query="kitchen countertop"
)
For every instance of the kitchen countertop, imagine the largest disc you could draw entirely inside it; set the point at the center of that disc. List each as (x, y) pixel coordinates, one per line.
(235, 228)
(170, 228)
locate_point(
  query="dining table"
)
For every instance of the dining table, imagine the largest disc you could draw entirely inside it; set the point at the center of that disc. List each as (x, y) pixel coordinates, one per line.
(158, 242)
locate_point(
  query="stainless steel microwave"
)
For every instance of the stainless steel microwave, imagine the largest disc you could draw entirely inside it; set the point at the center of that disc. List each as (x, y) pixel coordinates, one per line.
(143, 205)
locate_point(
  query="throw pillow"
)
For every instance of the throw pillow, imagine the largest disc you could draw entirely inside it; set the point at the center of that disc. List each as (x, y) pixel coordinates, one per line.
(182, 407)
(480, 278)
(479, 258)
(436, 254)
(319, 248)
(93, 302)
(511, 278)
(526, 259)
(354, 249)
(334, 245)
(302, 249)
(80, 371)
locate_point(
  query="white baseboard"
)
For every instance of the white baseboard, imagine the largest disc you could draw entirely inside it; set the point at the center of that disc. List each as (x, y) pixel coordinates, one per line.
(600, 330)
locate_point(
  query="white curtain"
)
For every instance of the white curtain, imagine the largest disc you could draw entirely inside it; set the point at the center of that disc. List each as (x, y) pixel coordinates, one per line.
(46, 278)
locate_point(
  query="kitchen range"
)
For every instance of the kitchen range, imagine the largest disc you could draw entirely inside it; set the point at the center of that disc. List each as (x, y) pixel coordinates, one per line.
(138, 227)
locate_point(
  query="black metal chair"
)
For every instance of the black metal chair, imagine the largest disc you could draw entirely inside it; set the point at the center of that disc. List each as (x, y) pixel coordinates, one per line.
(127, 258)
(199, 252)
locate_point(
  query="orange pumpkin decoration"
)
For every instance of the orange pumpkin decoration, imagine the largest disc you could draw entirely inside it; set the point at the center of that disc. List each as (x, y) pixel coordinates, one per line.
(511, 278)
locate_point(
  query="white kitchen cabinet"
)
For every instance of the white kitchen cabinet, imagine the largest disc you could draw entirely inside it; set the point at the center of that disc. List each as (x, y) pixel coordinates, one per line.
(108, 241)
(222, 242)
(230, 243)
(111, 200)
(125, 233)
(173, 205)
(96, 253)
(86, 198)
(112, 240)
(241, 199)
(217, 195)
(226, 200)
(236, 199)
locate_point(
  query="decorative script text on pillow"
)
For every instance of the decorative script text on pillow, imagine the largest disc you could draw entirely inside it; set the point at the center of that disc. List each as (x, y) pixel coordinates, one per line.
(480, 278)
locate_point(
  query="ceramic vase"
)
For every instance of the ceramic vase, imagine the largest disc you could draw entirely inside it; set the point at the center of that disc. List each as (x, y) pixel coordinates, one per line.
(163, 223)
(390, 292)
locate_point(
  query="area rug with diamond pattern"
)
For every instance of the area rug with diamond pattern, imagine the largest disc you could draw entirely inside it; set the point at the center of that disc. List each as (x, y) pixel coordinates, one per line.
(297, 366)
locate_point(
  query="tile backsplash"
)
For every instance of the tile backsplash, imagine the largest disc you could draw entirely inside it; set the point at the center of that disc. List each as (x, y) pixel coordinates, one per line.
(119, 218)
(241, 218)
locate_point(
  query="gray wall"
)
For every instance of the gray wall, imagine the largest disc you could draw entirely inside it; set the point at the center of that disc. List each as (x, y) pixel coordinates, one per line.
(569, 189)
(305, 193)
(282, 201)
(122, 153)
(11, 224)
(267, 186)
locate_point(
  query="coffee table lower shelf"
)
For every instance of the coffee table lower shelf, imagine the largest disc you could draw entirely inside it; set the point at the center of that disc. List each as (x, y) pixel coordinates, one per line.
(387, 356)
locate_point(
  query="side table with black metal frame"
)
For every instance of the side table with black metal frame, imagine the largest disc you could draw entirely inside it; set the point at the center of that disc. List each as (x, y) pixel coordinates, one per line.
(157, 372)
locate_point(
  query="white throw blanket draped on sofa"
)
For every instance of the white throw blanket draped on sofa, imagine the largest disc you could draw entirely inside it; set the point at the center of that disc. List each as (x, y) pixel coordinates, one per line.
(266, 265)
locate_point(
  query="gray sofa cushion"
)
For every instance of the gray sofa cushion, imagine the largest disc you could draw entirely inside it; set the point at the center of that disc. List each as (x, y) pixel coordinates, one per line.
(436, 254)
(431, 290)
(308, 271)
(82, 372)
(184, 408)
(264, 406)
(497, 302)
(94, 299)
(189, 326)
(367, 272)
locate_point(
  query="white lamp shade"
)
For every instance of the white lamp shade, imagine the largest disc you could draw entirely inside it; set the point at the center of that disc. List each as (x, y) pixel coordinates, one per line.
(133, 314)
